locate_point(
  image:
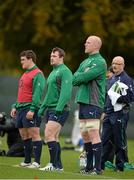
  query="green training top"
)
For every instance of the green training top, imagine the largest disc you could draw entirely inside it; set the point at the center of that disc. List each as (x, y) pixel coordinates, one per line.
(59, 88)
(91, 79)
(38, 87)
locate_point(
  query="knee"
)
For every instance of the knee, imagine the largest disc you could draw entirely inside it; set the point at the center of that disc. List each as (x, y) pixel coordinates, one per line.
(85, 137)
(35, 137)
(95, 136)
(25, 136)
(49, 135)
(34, 133)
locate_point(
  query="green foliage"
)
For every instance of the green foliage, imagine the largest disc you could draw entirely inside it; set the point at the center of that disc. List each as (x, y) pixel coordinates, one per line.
(41, 25)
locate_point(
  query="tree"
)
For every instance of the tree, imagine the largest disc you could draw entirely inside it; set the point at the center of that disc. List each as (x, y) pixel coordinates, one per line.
(43, 24)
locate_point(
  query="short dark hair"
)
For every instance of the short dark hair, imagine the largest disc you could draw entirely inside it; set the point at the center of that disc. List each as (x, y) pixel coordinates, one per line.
(61, 51)
(29, 54)
(110, 69)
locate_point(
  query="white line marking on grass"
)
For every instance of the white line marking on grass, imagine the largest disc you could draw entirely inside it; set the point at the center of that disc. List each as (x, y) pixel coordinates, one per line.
(4, 164)
(16, 165)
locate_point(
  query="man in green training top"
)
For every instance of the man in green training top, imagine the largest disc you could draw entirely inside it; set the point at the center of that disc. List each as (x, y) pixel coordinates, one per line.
(25, 110)
(59, 87)
(90, 79)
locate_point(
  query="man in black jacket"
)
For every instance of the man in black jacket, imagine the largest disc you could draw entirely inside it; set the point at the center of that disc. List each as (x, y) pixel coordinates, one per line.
(14, 142)
(120, 93)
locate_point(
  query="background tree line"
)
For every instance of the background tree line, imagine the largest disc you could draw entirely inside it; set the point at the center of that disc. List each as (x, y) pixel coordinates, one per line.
(43, 24)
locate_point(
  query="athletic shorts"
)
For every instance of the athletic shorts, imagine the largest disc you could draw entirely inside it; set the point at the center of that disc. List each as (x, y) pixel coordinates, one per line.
(52, 116)
(23, 122)
(87, 111)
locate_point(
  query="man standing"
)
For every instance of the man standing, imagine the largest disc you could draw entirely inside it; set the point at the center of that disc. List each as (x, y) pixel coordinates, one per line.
(91, 78)
(31, 85)
(120, 93)
(59, 87)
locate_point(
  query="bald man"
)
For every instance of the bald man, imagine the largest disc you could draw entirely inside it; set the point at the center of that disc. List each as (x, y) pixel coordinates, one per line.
(90, 79)
(115, 121)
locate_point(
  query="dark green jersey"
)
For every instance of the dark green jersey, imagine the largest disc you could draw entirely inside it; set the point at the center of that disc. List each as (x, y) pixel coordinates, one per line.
(38, 87)
(59, 88)
(91, 79)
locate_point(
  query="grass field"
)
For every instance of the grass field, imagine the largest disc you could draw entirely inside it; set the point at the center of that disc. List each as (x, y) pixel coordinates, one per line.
(70, 163)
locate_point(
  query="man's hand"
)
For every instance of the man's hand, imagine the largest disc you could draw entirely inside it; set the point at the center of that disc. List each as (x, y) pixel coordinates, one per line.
(30, 115)
(13, 113)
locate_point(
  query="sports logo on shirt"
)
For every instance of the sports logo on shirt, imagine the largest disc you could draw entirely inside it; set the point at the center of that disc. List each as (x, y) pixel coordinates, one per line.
(87, 69)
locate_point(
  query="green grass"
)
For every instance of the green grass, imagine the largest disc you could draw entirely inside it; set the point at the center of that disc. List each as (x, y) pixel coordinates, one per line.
(71, 167)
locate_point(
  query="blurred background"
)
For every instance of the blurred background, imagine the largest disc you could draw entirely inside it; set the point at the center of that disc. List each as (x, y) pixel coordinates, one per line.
(43, 24)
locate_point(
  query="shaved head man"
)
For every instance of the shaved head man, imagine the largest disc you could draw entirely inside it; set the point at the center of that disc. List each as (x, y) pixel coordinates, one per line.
(93, 44)
(117, 114)
(118, 64)
(90, 79)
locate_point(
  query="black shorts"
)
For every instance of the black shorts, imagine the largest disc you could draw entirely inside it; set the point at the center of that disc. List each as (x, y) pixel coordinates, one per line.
(87, 111)
(52, 116)
(23, 122)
